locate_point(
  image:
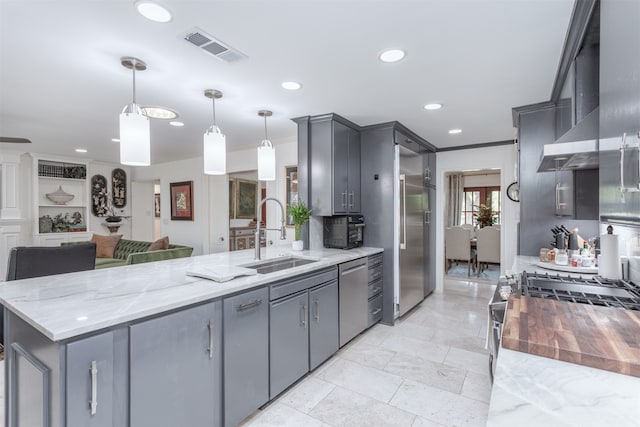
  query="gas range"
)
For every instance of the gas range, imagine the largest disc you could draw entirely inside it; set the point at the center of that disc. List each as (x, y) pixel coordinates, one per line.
(592, 290)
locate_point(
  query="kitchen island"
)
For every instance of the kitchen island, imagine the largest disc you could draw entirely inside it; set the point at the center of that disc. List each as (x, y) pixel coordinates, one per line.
(534, 390)
(100, 347)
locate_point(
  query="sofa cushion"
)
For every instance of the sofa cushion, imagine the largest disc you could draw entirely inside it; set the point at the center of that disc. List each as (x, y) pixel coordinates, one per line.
(105, 245)
(162, 243)
(126, 247)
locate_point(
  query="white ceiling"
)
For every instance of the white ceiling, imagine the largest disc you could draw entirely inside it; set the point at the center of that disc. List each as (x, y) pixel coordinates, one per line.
(62, 85)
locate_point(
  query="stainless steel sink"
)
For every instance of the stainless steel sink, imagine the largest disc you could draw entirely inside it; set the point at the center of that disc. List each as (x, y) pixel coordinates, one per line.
(277, 264)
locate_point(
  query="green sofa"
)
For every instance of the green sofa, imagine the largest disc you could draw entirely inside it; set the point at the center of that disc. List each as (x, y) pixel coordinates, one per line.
(135, 252)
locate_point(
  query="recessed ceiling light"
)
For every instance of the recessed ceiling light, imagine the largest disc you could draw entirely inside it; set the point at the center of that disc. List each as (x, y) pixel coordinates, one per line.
(455, 131)
(291, 85)
(115, 139)
(153, 11)
(159, 113)
(81, 150)
(391, 55)
(434, 106)
(176, 124)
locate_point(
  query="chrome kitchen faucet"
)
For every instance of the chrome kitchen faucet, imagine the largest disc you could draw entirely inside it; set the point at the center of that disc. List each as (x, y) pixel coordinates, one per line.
(282, 229)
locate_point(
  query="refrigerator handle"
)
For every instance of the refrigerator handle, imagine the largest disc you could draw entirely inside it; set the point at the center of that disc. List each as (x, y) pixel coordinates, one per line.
(403, 212)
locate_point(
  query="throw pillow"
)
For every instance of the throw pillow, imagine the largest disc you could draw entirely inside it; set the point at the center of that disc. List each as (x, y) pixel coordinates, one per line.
(105, 245)
(162, 243)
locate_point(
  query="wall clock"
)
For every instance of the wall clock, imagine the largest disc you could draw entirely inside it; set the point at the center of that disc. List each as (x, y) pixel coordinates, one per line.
(513, 191)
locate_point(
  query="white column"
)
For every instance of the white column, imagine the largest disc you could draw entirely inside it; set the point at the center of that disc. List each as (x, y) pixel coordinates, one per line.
(9, 182)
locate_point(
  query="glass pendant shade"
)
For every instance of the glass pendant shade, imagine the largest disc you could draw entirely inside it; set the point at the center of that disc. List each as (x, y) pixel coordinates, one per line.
(135, 143)
(266, 161)
(215, 152)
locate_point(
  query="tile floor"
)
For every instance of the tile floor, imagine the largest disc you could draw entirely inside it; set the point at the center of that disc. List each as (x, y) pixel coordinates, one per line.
(430, 369)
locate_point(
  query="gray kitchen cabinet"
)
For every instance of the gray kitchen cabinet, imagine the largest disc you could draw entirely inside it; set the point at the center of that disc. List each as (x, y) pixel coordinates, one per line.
(90, 380)
(175, 368)
(324, 323)
(289, 341)
(619, 112)
(335, 166)
(246, 354)
(375, 289)
(304, 326)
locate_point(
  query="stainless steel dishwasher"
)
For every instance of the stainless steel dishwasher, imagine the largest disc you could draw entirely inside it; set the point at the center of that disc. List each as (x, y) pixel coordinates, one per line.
(353, 299)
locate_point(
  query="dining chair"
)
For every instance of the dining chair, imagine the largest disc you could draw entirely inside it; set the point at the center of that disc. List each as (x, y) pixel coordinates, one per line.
(469, 227)
(457, 247)
(26, 262)
(488, 247)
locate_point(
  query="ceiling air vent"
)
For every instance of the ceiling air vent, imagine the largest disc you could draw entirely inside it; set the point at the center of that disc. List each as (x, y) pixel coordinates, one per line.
(214, 47)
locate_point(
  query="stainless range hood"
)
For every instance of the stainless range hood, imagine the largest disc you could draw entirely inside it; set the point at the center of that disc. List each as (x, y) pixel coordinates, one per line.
(576, 149)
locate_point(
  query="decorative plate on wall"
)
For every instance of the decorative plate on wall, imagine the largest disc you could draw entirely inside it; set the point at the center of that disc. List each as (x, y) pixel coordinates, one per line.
(119, 188)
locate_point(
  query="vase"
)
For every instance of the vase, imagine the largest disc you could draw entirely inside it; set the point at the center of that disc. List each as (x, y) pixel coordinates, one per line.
(297, 245)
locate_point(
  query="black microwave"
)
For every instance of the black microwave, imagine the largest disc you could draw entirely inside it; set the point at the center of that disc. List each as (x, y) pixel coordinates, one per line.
(343, 232)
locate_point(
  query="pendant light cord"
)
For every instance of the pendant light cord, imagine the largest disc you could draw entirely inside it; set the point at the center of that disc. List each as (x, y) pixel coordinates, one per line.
(213, 100)
(265, 128)
(134, 81)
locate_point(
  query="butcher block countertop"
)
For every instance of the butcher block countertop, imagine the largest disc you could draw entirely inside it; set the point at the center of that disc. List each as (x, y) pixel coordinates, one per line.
(599, 337)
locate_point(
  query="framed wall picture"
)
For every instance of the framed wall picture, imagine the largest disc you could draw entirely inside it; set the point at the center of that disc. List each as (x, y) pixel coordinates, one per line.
(156, 205)
(232, 198)
(181, 200)
(291, 188)
(246, 194)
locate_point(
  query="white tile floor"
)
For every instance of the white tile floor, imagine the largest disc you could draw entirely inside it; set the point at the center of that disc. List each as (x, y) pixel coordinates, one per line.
(430, 369)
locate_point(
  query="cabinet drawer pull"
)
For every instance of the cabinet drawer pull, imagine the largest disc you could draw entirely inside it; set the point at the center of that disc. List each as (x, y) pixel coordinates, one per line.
(210, 349)
(247, 306)
(94, 387)
(376, 311)
(377, 289)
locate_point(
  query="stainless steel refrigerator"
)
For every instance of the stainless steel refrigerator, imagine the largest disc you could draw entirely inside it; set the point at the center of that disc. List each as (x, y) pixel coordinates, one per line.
(397, 168)
(410, 215)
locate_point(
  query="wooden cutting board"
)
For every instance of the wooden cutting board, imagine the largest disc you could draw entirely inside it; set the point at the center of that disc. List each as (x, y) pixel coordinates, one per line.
(600, 337)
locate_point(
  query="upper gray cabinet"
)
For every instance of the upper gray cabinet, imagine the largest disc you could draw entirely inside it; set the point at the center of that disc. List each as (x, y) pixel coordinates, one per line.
(619, 112)
(335, 166)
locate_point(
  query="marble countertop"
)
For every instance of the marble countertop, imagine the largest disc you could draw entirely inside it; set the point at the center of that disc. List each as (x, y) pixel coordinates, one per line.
(537, 391)
(533, 390)
(529, 264)
(68, 305)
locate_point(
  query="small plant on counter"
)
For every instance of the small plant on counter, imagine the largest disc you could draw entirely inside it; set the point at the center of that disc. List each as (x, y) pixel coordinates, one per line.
(300, 214)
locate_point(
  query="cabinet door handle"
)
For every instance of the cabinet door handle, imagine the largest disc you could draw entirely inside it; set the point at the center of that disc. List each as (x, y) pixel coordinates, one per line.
(210, 349)
(622, 148)
(376, 311)
(304, 316)
(557, 196)
(247, 306)
(352, 199)
(317, 316)
(93, 403)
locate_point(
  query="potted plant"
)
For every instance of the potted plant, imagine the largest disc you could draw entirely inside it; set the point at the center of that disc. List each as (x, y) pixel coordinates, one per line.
(485, 216)
(299, 215)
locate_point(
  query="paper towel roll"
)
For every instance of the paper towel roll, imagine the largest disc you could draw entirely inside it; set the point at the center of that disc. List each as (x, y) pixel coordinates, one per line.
(609, 259)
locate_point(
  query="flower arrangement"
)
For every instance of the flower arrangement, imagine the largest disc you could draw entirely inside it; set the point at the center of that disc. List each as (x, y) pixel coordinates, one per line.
(485, 217)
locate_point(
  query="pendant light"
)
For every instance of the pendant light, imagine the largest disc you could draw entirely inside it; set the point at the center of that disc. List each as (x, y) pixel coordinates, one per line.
(135, 144)
(215, 145)
(266, 153)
